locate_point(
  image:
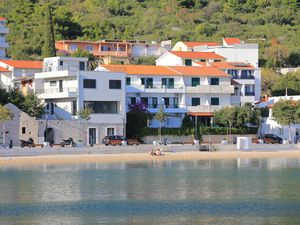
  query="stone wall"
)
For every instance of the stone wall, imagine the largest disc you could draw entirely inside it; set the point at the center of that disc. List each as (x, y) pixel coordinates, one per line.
(22, 126)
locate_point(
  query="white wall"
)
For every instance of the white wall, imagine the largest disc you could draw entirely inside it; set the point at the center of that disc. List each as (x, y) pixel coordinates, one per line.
(168, 59)
(247, 53)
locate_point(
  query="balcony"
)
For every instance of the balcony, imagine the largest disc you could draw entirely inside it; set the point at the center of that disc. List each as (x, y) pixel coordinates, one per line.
(205, 108)
(4, 30)
(211, 89)
(250, 77)
(51, 72)
(3, 44)
(155, 89)
(54, 93)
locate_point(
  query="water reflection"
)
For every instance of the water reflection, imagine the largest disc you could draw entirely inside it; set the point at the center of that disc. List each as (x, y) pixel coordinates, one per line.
(132, 192)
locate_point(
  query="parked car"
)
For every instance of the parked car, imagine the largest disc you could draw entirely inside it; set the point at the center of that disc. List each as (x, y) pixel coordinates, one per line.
(270, 139)
(113, 140)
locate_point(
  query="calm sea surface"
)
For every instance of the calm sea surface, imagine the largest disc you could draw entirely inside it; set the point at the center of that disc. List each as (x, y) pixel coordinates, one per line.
(246, 191)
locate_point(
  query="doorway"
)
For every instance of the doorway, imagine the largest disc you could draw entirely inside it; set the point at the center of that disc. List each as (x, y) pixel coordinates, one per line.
(49, 135)
(92, 136)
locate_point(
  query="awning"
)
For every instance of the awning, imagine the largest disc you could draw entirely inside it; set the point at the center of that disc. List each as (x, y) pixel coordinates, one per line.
(200, 114)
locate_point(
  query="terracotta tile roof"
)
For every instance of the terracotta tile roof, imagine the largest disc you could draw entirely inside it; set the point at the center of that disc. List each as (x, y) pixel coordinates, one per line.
(231, 41)
(2, 18)
(3, 69)
(197, 55)
(232, 65)
(24, 64)
(200, 63)
(193, 44)
(166, 70)
(76, 41)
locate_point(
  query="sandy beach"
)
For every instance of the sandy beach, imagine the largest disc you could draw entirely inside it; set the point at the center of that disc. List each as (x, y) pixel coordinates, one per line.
(126, 157)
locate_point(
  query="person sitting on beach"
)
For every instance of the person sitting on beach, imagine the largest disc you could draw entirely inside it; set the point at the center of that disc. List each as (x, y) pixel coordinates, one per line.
(156, 153)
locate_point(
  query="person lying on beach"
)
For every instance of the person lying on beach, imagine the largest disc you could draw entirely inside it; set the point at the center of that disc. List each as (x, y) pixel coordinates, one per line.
(156, 153)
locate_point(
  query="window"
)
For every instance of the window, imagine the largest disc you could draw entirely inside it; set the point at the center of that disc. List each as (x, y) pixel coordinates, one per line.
(128, 81)
(176, 102)
(214, 81)
(102, 107)
(132, 100)
(217, 60)
(114, 84)
(74, 108)
(105, 48)
(195, 101)
(148, 82)
(89, 48)
(188, 62)
(89, 83)
(110, 131)
(167, 82)
(73, 47)
(233, 73)
(154, 102)
(82, 66)
(145, 101)
(166, 102)
(53, 83)
(23, 130)
(195, 81)
(214, 101)
(61, 63)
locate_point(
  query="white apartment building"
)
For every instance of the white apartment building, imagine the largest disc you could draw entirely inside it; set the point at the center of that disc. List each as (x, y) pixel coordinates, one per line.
(67, 86)
(270, 126)
(181, 58)
(19, 74)
(246, 79)
(3, 32)
(143, 49)
(187, 46)
(197, 91)
(241, 63)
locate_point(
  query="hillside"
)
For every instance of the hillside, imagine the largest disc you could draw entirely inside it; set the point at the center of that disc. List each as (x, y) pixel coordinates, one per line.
(274, 24)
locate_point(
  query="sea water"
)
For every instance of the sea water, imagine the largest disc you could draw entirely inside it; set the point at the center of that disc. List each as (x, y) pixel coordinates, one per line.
(243, 191)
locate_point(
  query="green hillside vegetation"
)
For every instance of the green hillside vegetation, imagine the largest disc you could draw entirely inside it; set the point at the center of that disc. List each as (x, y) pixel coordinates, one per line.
(261, 21)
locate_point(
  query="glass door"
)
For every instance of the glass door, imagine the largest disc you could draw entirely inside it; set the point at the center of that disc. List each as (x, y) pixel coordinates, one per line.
(92, 136)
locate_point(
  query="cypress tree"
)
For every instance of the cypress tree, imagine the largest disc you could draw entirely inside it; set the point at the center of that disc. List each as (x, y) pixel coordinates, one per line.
(49, 41)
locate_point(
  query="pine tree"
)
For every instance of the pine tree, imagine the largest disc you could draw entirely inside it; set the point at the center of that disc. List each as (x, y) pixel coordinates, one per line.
(49, 41)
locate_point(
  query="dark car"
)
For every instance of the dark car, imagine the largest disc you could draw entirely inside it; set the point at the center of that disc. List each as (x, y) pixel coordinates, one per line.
(270, 139)
(113, 140)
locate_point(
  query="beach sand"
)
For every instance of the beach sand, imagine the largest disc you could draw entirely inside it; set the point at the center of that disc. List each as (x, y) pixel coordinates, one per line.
(126, 157)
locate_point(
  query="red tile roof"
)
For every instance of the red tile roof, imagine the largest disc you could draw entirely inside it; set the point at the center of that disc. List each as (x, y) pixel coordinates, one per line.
(166, 70)
(3, 69)
(232, 65)
(2, 18)
(24, 64)
(231, 41)
(193, 44)
(197, 55)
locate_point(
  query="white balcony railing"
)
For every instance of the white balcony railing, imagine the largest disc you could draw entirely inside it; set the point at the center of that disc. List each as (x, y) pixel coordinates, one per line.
(52, 93)
(227, 89)
(205, 108)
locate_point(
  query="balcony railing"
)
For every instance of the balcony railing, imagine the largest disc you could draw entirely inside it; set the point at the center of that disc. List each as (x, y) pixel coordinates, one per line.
(56, 90)
(243, 77)
(211, 89)
(47, 68)
(205, 108)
